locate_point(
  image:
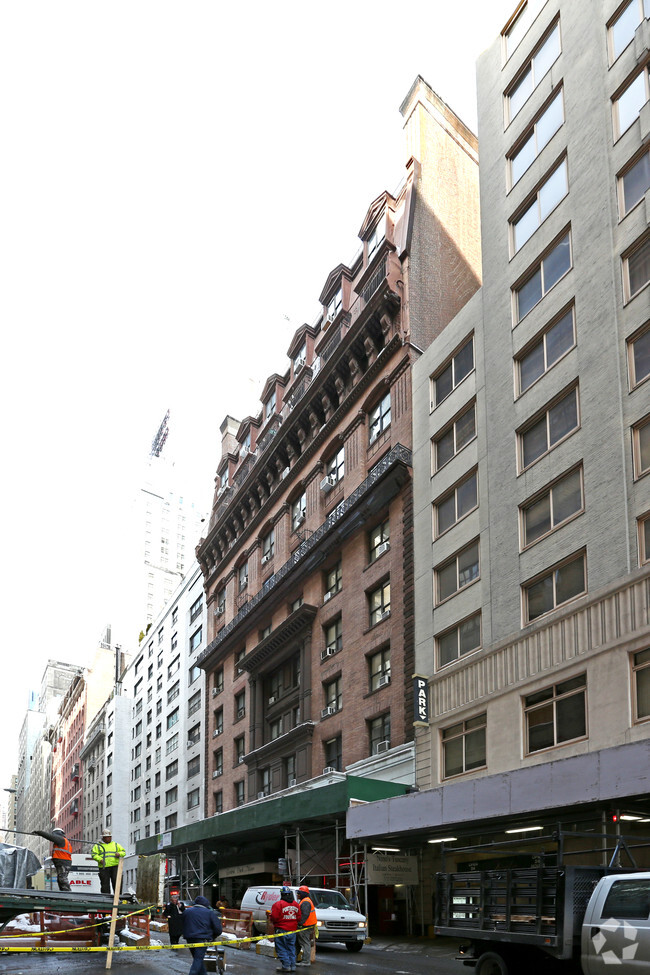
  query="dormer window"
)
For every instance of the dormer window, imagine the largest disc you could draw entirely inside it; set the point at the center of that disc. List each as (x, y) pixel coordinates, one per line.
(269, 406)
(376, 238)
(335, 306)
(243, 576)
(246, 445)
(300, 358)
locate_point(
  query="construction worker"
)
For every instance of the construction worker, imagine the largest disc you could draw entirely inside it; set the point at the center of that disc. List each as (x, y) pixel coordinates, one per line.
(61, 854)
(307, 925)
(107, 854)
(284, 917)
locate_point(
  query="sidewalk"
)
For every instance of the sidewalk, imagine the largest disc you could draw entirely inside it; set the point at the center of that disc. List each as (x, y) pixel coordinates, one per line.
(433, 947)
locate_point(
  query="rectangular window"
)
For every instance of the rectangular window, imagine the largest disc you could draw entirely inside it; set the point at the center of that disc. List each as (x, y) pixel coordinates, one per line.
(333, 694)
(457, 573)
(556, 586)
(334, 753)
(544, 57)
(379, 418)
(553, 266)
(641, 447)
(171, 770)
(243, 576)
(333, 581)
(464, 746)
(379, 669)
(462, 638)
(240, 749)
(196, 608)
(194, 673)
(173, 692)
(221, 601)
(454, 437)
(452, 373)
(217, 798)
(194, 703)
(218, 722)
(269, 406)
(240, 705)
(516, 29)
(641, 678)
(621, 29)
(379, 601)
(239, 661)
(193, 799)
(556, 715)
(218, 681)
(633, 184)
(268, 546)
(546, 430)
(334, 636)
(240, 795)
(629, 103)
(545, 351)
(174, 667)
(536, 209)
(644, 539)
(455, 504)
(536, 137)
(194, 735)
(171, 821)
(218, 761)
(195, 639)
(298, 511)
(379, 734)
(194, 767)
(172, 744)
(335, 467)
(638, 356)
(379, 540)
(552, 507)
(636, 269)
(172, 719)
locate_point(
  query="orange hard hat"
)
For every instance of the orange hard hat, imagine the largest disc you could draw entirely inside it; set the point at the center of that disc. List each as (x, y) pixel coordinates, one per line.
(306, 889)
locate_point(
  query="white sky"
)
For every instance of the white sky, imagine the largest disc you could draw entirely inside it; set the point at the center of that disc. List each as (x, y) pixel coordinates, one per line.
(175, 179)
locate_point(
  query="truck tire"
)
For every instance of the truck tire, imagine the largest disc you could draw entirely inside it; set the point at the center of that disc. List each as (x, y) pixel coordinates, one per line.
(491, 963)
(354, 945)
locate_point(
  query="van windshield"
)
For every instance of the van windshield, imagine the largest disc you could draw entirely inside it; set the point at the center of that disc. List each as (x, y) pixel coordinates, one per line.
(330, 898)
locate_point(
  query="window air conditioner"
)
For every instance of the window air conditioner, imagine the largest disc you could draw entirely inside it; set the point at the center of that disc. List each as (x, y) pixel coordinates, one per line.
(385, 614)
(191, 744)
(241, 713)
(383, 680)
(217, 772)
(266, 558)
(215, 691)
(261, 795)
(328, 483)
(298, 520)
(382, 746)
(383, 548)
(272, 699)
(216, 732)
(327, 652)
(327, 597)
(219, 611)
(298, 363)
(291, 783)
(325, 713)
(328, 769)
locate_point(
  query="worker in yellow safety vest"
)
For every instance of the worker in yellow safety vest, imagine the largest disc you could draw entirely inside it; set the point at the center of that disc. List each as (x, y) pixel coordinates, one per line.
(107, 854)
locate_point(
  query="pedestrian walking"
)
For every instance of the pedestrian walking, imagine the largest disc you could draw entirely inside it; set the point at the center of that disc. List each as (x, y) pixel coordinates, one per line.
(307, 925)
(200, 923)
(107, 855)
(61, 854)
(174, 910)
(284, 916)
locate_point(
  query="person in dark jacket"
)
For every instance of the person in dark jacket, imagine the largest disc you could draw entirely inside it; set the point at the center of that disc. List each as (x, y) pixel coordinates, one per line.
(174, 910)
(200, 923)
(61, 854)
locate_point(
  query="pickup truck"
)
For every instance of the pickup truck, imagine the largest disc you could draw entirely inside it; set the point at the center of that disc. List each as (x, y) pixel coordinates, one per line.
(566, 918)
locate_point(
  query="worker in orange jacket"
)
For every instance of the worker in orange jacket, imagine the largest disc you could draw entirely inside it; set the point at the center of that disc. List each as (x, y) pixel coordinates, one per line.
(61, 854)
(307, 923)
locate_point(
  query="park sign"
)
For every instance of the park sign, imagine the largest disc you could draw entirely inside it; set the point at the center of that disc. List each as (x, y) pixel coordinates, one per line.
(391, 868)
(420, 700)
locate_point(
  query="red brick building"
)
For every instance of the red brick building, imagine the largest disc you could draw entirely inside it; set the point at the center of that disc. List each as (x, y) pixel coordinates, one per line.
(308, 557)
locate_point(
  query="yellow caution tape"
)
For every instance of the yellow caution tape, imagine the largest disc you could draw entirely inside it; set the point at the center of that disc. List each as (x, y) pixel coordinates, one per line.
(82, 927)
(200, 944)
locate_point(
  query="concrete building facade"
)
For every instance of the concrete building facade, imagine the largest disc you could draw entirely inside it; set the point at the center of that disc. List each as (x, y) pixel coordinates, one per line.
(532, 456)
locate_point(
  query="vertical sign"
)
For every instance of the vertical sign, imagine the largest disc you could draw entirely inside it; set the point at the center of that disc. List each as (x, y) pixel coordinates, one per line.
(421, 699)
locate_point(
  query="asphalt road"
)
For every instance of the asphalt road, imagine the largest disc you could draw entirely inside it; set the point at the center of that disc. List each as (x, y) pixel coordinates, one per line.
(404, 957)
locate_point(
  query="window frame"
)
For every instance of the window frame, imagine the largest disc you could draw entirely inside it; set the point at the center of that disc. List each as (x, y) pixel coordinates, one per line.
(335, 466)
(616, 99)
(629, 167)
(298, 511)
(447, 563)
(333, 633)
(633, 382)
(550, 572)
(450, 362)
(377, 422)
(534, 201)
(639, 245)
(533, 269)
(553, 700)
(643, 529)
(379, 665)
(268, 545)
(449, 427)
(537, 417)
(383, 610)
(611, 53)
(333, 582)
(529, 67)
(541, 338)
(379, 535)
(449, 493)
(637, 667)
(463, 734)
(381, 723)
(542, 493)
(460, 655)
(642, 424)
(531, 133)
(524, 15)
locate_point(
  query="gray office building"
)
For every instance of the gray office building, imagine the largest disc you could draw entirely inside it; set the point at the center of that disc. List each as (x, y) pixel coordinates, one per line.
(532, 458)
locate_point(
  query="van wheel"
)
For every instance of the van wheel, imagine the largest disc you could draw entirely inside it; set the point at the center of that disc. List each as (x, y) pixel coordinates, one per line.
(490, 963)
(354, 945)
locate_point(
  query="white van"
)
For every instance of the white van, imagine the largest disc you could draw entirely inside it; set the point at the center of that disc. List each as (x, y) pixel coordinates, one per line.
(337, 921)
